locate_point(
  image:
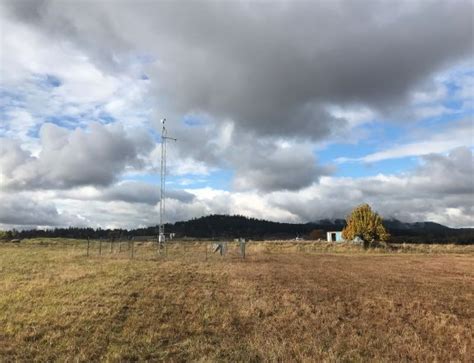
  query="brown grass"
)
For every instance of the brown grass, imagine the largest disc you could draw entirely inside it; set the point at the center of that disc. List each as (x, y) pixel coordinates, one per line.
(285, 302)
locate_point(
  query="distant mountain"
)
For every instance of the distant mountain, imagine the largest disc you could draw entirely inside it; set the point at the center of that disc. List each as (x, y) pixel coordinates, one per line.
(224, 226)
(427, 232)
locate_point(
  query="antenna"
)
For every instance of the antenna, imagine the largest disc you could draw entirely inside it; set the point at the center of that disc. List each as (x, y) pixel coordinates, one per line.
(164, 138)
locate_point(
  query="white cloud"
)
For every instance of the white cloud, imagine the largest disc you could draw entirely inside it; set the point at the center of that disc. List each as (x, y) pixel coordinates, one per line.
(54, 81)
(431, 111)
(453, 136)
(466, 87)
(355, 115)
(95, 156)
(434, 92)
(427, 193)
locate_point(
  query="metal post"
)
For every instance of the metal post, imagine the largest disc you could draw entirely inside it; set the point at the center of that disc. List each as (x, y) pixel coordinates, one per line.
(242, 248)
(161, 232)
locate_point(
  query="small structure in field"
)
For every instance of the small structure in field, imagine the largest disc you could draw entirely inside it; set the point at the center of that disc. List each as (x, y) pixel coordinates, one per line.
(334, 236)
(358, 240)
(220, 247)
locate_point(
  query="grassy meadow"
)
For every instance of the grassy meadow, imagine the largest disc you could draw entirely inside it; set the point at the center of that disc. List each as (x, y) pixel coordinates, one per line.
(284, 302)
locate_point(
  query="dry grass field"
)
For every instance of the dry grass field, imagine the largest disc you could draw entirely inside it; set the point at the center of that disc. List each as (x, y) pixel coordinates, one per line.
(285, 302)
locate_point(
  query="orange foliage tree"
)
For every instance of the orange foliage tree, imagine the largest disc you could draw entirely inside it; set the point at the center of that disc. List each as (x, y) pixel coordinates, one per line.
(365, 224)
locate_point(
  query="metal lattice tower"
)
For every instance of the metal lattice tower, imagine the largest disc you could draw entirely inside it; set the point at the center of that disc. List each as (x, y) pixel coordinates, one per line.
(164, 138)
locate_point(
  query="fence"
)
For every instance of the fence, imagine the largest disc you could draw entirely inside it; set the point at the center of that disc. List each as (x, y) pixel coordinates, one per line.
(211, 250)
(140, 249)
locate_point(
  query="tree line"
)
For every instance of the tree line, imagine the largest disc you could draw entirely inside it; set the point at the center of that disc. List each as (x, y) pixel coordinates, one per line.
(229, 227)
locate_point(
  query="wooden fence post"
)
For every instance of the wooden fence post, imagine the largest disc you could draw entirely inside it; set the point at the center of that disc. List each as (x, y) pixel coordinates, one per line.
(100, 247)
(88, 243)
(132, 247)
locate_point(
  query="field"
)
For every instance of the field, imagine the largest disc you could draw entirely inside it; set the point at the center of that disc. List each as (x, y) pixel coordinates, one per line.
(284, 302)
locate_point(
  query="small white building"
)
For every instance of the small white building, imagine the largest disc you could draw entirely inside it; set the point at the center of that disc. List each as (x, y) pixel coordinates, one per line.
(334, 236)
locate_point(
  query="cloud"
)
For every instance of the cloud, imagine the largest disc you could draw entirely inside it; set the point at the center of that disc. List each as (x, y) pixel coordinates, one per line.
(138, 192)
(47, 80)
(263, 164)
(250, 63)
(21, 211)
(276, 167)
(68, 158)
(128, 191)
(447, 175)
(260, 89)
(453, 136)
(426, 193)
(429, 192)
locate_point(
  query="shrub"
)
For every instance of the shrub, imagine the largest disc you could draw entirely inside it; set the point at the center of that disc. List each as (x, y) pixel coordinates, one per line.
(316, 234)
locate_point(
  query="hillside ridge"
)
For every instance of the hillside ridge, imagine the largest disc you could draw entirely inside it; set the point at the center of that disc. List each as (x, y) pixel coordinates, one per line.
(217, 226)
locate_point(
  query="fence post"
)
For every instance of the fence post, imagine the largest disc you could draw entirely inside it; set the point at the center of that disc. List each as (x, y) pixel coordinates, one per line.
(111, 248)
(205, 247)
(100, 247)
(242, 248)
(132, 247)
(88, 243)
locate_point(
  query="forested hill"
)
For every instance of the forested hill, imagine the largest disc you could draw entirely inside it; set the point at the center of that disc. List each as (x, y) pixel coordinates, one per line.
(224, 226)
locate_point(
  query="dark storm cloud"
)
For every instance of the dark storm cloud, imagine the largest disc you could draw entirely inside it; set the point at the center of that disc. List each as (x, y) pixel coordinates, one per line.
(270, 67)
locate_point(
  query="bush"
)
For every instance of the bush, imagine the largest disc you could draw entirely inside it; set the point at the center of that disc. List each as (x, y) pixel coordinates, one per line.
(3, 235)
(316, 234)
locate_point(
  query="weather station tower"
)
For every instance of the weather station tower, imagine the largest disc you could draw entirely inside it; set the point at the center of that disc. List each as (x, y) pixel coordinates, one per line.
(164, 139)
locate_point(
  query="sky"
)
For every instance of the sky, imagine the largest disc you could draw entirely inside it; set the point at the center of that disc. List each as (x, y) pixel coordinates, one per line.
(287, 111)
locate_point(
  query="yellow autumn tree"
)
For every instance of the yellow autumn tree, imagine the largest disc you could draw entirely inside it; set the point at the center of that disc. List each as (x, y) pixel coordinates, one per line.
(365, 224)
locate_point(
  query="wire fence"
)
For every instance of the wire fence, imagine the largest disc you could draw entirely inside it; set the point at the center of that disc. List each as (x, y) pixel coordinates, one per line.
(224, 250)
(143, 249)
